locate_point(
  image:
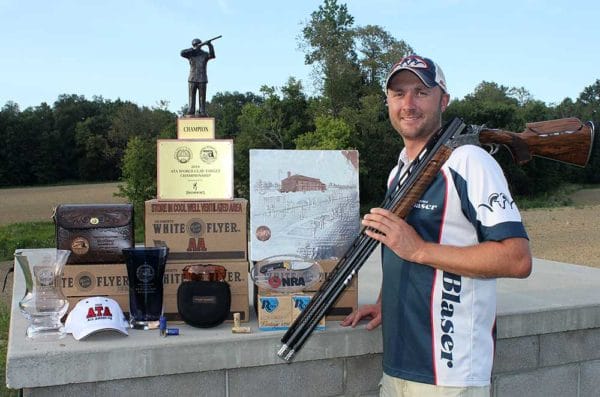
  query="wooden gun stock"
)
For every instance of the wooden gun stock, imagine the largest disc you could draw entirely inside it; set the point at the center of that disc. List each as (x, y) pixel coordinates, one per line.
(414, 193)
(566, 140)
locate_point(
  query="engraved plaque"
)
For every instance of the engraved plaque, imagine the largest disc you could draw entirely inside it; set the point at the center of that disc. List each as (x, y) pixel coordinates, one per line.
(199, 169)
(196, 128)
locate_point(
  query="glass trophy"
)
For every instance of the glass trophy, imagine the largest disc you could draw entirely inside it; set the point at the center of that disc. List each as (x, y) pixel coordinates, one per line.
(44, 303)
(145, 271)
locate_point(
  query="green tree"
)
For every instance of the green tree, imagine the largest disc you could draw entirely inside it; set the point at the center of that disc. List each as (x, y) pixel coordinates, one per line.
(378, 144)
(587, 109)
(589, 102)
(129, 120)
(68, 111)
(99, 160)
(328, 41)
(139, 175)
(46, 153)
(331, 134)
(272, 122)
(226, 108)
(378, 50)
(9, 119)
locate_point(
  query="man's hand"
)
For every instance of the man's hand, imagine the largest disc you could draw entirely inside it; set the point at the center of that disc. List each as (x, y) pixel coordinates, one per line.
(371, 311)
(394, 233)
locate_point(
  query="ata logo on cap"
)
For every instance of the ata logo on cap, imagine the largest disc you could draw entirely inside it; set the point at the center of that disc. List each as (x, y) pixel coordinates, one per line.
(99, 311)
(95, 314)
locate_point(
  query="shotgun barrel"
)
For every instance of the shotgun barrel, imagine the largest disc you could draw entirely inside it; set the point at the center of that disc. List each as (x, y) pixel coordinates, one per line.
(566, 140)
(410, 187)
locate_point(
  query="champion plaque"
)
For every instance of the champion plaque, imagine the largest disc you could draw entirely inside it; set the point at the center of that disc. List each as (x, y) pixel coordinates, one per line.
(196, 128)
(199, 169)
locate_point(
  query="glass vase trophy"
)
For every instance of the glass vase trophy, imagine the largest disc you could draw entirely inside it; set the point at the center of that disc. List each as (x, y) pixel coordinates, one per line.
(44, 303)
(145, 271)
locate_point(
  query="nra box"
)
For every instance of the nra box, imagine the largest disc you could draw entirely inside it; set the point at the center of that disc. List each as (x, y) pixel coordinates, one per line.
(278, 311)
(111, 280)
(198, 230)
(344, 305)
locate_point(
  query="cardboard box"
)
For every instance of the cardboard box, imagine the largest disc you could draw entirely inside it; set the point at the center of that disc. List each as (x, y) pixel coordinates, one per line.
(111, 280)
(348, 300)
(278, 311)
(327, 266)
(274, 312)
(198, 230)
(345, 304)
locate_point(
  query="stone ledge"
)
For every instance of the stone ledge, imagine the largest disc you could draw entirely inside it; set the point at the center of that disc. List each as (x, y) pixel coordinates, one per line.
(108, 356)
(544, 303)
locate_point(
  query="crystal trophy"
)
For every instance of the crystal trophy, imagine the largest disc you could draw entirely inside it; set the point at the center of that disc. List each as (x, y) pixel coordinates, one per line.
(145, 271)
(44, 303)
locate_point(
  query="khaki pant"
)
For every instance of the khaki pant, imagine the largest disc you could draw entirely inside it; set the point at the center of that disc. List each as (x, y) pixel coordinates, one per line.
(395, 387)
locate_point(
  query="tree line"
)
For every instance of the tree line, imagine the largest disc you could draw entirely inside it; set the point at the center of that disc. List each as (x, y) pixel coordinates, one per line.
(81, 140)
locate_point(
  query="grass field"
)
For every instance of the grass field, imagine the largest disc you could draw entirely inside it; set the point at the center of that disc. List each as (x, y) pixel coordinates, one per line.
(36, 203)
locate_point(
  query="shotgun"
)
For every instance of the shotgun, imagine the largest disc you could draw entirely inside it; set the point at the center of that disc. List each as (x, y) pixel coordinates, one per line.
(566, 140)
(208, 41)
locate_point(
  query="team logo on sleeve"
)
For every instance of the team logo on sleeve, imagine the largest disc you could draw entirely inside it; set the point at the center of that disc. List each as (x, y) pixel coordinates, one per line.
(498, 201)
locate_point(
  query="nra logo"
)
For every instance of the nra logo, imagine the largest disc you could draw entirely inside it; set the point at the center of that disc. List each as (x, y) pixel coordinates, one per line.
(277, 281)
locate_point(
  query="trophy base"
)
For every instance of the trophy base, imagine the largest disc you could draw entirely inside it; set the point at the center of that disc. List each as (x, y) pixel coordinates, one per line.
(145, 325)
(41, 334)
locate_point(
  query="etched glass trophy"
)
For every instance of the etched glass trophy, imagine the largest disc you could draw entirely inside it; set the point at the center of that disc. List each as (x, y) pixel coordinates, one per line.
(44, 303)
(145, 270)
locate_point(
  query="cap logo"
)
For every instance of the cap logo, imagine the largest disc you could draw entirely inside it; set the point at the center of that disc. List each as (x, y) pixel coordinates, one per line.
(414, 62)
(99, 312)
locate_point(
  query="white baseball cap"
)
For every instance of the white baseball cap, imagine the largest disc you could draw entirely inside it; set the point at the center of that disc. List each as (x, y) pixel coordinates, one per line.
(95, 314)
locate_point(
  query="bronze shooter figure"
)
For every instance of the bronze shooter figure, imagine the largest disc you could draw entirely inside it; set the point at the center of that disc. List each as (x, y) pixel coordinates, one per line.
(198, 79)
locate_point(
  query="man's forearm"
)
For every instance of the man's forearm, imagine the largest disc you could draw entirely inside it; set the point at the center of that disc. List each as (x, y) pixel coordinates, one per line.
(506, 258)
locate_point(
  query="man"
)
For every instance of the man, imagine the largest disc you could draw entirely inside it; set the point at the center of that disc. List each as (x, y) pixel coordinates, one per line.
(198, 79)
(437, 304)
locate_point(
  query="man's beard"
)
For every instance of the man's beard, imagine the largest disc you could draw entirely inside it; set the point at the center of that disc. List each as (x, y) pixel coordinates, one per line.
(431, 125)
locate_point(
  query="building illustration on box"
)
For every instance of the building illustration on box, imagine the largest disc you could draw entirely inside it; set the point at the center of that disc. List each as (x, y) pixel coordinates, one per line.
(301, 183)
(303, 202)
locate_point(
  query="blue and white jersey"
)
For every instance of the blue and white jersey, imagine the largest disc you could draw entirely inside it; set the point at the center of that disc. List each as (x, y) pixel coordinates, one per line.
(439, 327)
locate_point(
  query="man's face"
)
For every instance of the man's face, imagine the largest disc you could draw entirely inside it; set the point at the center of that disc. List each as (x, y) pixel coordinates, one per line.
(415, 110)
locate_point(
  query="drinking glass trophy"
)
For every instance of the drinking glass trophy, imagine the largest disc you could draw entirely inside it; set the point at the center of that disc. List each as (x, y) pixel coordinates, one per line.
(44, 303)
(145, 271)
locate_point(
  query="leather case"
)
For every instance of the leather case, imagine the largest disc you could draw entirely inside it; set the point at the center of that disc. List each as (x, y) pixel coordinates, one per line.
(203, 304)
(94, 233)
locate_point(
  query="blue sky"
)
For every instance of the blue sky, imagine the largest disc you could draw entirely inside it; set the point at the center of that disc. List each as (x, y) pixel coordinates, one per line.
(130, 49)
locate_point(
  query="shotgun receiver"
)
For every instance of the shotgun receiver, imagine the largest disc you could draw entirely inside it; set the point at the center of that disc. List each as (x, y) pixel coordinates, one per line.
(566, 140)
